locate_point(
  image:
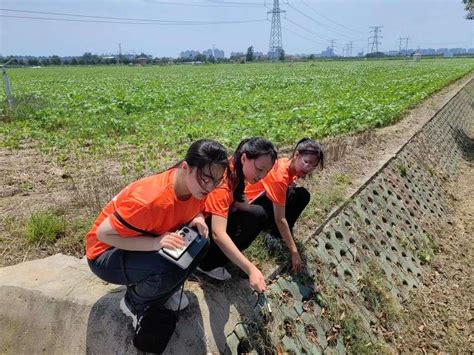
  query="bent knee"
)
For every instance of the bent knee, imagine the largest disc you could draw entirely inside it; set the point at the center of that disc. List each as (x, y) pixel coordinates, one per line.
(258, 212)
(303, 195)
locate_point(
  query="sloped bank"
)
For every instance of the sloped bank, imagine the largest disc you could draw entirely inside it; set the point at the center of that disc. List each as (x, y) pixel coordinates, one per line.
(369, 255)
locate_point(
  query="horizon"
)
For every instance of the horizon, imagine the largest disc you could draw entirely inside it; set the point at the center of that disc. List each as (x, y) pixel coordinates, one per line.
(57, 27)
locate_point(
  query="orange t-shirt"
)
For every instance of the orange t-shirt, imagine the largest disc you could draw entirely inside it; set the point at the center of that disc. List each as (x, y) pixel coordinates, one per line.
(148, 204)
(218, 202)
(274, 185)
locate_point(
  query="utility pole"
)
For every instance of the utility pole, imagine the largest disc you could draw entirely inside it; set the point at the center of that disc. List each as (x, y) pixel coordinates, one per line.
(332, 41)
(276, 43)
(406, 45)
(214, 52)
(120, 53)
(343, 52)
(375, 38)
(6, 83)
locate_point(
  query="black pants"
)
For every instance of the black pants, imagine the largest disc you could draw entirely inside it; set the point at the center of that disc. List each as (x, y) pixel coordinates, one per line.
(297, 198)
(150, 278)
(242, 227)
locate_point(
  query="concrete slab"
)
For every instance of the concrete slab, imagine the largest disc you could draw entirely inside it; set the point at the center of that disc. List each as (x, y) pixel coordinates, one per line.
(56, 305)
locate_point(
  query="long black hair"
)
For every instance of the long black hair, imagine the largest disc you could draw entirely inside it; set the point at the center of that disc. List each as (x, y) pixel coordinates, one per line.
(205, 152)
(307, 146)
(253, 148)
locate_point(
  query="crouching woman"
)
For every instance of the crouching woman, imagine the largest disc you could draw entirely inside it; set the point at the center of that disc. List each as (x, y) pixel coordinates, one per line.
(143, 218)
(282, 200)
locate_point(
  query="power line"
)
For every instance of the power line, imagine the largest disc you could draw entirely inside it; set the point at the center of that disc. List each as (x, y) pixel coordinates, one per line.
(330, 20)
(300, 36)
(317, 22)
(217, 4)
(135, 20)
(133, 23)
(303, 28)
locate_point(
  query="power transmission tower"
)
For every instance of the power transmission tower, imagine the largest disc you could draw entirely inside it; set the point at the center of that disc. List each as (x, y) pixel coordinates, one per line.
(332, 41)
(375, 39)
(276, 43)
(349, 48)
(401, 39)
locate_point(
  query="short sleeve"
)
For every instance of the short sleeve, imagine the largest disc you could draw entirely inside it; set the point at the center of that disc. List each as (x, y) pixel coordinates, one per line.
(276, 192)
(135, 214)
(218, 202)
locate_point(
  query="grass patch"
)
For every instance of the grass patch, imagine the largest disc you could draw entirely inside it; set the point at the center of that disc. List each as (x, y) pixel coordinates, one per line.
(357, 339)
(422, 245)
(427, 247)
(403, 170)
(354, 332)
(45, 227)
(327, 197)
(73, 242)
(260, 252)
(376, 293)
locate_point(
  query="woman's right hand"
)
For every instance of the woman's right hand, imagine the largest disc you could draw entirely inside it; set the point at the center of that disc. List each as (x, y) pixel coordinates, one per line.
(257, 281)
(169, 240)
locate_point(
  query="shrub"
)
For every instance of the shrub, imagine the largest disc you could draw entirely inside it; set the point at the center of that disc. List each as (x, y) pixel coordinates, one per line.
(45, 227)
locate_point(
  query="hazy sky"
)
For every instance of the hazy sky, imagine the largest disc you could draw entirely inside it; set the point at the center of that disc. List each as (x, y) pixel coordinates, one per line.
(307, 28)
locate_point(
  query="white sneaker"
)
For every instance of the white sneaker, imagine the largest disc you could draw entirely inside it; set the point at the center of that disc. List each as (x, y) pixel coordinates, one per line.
(173, 302)
(219, 273)
(128, 312)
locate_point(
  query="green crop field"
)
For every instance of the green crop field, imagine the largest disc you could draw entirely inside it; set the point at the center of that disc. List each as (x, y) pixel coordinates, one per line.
(104, 110)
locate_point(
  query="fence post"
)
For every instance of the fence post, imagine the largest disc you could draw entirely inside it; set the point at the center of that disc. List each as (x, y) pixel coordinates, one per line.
(6, 83)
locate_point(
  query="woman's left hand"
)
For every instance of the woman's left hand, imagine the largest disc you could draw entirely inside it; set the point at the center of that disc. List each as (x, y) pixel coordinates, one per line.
(199, 223)
(296, 262)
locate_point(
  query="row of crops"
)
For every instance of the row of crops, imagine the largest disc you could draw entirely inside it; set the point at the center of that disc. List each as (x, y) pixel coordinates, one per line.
(165, 108)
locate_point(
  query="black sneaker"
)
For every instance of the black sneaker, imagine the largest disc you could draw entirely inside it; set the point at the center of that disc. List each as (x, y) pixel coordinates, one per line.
(153, 327)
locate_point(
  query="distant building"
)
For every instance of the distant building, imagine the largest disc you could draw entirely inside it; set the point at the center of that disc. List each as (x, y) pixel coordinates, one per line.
(428, 51)
(234, 55)
(142, 60)
(216, 53)
(189, 54)
(329, 52)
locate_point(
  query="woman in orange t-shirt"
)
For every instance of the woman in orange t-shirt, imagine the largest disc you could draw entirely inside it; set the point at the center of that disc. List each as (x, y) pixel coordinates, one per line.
(122, 246)
(281, 199)
(234, 223)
